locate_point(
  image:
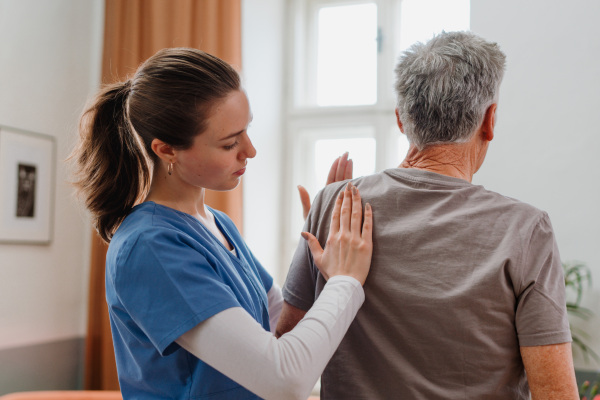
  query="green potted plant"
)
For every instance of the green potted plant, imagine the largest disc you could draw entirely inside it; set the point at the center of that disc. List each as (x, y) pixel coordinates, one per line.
(589, 391)
(577, 279)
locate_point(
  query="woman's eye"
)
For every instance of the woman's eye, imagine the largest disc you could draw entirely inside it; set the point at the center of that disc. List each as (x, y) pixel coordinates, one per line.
(231, 146)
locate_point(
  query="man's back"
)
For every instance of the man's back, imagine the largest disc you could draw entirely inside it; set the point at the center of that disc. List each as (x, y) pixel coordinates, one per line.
(460, 278)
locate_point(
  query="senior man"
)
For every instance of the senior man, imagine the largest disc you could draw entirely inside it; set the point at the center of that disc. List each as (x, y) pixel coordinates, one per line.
(465, 299)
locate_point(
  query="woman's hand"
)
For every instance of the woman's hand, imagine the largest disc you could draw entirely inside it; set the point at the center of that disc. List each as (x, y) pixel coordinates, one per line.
(349, 245)
(340, 170)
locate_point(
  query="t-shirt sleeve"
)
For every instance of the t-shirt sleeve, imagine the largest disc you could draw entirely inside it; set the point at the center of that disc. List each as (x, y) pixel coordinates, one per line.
(168, 286)
(541, 315)
(300, 285)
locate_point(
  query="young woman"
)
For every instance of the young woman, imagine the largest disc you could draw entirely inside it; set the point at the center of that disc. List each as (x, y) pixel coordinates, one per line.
(191, 310)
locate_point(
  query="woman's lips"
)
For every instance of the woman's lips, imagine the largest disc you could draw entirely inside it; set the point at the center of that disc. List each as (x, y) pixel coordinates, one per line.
(240, 172)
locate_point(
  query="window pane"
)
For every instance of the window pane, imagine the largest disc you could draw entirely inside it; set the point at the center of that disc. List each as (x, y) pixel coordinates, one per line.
(418, 23)
(347, 55)
(362, 153)
(397, 149)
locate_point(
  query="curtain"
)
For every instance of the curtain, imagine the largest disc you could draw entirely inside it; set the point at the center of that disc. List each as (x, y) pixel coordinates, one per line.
(133, 31)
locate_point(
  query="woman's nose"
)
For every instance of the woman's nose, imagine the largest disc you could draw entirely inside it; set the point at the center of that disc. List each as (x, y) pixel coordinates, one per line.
(249, 150)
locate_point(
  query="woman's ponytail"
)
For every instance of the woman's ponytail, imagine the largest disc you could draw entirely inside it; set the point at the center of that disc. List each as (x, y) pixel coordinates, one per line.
(112, 168)
(169, 98)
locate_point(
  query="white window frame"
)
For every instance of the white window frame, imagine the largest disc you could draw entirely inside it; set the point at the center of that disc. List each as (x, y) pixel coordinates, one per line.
(302, 112)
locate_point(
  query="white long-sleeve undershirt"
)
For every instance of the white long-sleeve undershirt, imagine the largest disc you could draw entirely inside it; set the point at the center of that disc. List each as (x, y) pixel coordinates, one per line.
(286, 368)
(275, 299)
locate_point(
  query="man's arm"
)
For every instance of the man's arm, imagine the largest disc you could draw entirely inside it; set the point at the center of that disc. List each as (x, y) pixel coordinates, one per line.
(550, 372)
(290, 316)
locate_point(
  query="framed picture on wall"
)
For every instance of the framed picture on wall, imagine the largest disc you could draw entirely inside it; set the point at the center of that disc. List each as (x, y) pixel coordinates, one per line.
(27, 162)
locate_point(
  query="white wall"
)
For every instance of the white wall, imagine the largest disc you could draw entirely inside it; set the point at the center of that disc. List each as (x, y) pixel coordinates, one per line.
(49, 63)
(262, 64)
(545, 151)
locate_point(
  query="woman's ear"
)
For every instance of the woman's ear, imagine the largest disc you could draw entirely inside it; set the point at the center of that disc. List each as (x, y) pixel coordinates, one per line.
(164, 151)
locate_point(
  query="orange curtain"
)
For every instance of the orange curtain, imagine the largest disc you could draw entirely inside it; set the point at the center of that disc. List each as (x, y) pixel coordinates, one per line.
(133, 31)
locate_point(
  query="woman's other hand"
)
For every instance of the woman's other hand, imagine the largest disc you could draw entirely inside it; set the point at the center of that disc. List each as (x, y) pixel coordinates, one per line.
(349, 245)
(340, 170)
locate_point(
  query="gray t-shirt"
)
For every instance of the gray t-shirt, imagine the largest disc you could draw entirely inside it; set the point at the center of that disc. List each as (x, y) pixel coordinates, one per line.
(460, 278)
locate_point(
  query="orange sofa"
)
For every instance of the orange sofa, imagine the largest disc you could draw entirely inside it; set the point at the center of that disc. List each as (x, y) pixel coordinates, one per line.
(65, 395)
(71, 395)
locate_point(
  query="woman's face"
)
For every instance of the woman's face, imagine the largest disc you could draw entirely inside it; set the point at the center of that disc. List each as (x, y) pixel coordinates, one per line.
(217, 159)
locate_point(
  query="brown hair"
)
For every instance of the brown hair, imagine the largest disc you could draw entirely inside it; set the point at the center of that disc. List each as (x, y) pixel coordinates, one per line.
(168, 98)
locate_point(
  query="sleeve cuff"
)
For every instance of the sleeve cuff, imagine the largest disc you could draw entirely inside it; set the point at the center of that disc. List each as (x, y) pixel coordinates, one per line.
(357, 288)
(544, 339)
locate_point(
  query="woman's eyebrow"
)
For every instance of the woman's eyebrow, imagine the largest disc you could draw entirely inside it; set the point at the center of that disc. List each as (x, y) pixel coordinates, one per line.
(238, 133)
(232, 135)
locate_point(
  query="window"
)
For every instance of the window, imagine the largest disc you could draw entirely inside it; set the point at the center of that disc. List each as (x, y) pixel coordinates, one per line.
(342, 58)
(346, 48)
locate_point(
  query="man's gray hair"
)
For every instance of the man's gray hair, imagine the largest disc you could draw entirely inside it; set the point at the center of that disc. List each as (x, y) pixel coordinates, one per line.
(445, 86)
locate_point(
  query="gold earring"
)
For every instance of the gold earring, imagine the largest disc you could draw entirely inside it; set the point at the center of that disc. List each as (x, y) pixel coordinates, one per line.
(170, 168)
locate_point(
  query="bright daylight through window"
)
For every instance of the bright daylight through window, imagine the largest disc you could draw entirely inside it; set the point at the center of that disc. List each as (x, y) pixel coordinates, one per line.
(347, 48)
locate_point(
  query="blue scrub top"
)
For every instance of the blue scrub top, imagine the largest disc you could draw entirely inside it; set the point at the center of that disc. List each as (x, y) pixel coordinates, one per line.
(166, 273)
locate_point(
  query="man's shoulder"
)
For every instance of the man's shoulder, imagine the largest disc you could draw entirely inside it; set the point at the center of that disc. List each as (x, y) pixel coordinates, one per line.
(390, 187)
(516, 206)
(367, 185)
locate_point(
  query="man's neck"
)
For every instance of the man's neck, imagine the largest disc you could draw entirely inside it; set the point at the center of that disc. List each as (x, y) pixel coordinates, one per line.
(458, 160)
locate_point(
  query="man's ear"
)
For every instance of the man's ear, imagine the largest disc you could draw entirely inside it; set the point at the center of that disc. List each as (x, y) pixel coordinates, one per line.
(489, 122)
(399, 122)
(164, 151)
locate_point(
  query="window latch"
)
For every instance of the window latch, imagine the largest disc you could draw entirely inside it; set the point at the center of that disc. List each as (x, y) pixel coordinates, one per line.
(379, 39)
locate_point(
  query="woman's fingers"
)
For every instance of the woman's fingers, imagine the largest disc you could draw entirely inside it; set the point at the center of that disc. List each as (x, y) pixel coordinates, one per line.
(315, 249)
(356, 219)
(346, 212)
(349, 169)
(341, 168)
(305, 200)
(349, 243)
(367, 229)
(334, 227)
(333, 171)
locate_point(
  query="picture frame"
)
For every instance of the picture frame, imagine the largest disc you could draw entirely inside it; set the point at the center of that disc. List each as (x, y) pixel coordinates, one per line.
(27, 184)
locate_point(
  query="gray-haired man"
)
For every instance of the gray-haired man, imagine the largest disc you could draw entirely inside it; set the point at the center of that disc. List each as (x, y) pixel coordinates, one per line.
(466, 292)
